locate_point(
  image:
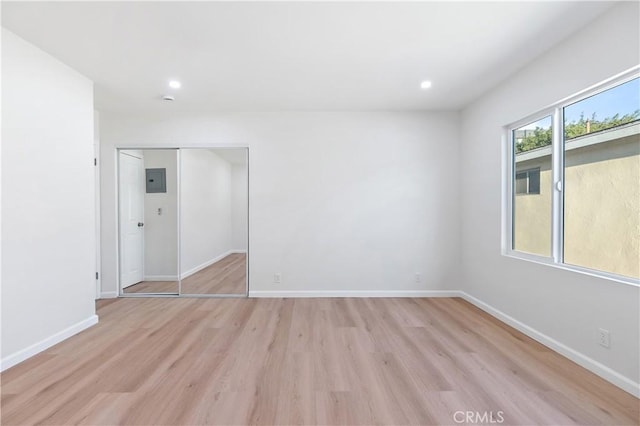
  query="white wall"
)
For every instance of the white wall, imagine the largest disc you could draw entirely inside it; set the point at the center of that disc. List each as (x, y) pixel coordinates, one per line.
(566, 306)
(48, 233)
(340, 202)
(161, 231)
(239, 211)
(205, 209)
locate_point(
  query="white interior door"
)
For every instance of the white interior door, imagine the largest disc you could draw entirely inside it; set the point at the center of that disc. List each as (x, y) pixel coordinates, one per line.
(132, 182)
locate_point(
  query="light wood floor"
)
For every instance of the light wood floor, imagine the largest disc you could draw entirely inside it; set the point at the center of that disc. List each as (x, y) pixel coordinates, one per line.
(152, 287)
(227, 276)
(303, 361)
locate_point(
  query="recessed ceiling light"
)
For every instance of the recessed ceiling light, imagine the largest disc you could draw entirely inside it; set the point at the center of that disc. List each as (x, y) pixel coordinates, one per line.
(175, 84)
(425, 84)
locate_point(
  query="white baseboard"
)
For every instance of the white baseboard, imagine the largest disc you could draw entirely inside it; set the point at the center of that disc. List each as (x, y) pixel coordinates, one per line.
(160, 278)
(206, 264)
(239, 251)
(590, 364)
(356, 293)
(108, 294)
(36, 348)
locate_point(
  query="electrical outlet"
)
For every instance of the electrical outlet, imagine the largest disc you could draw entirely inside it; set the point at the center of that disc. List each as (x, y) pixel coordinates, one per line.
(417, 278)
(604, 338)
(277, 278)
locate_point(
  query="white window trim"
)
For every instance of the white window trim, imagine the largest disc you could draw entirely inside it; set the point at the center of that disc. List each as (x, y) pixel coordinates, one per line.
(554, 110)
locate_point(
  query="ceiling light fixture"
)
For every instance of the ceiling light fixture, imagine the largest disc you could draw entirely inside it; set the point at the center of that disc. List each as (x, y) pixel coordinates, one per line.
(425, 84)
(175, 84)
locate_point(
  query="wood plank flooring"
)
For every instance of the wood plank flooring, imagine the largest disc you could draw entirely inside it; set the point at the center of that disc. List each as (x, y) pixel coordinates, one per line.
(242, 361)
(152, 287)
(227, 276)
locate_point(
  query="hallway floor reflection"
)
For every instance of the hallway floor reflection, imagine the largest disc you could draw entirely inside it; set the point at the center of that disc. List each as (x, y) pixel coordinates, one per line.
(227, 276)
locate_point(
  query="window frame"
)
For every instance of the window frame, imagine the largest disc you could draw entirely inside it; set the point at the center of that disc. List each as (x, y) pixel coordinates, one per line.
(556, 111)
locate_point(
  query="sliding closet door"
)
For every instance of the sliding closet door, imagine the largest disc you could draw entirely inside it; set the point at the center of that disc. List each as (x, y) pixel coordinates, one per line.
(213, 221)
(148, 221)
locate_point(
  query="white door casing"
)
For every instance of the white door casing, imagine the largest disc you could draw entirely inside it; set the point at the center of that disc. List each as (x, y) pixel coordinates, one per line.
(96, 158)
(131, 205)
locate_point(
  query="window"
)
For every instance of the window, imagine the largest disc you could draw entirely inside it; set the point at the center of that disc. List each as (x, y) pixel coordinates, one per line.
(602, 181)
(532, 201)
(575, 193)
(528, 182)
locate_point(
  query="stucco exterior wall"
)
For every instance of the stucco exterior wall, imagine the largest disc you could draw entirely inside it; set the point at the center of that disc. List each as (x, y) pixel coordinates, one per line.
(532, 212)
(602, 207)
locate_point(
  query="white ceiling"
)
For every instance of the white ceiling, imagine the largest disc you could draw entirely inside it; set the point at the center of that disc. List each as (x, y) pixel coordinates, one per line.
(265, 56)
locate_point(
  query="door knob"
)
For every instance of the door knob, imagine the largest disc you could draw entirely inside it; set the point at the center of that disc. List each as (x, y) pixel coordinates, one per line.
(140, 224)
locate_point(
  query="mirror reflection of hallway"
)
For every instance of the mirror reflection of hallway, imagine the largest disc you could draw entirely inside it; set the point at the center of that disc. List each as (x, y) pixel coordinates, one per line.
(213, 221)
(148, 211)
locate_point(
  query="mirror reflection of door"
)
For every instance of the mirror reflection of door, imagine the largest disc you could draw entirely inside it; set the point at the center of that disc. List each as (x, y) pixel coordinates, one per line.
(213, 221)
(148, 210)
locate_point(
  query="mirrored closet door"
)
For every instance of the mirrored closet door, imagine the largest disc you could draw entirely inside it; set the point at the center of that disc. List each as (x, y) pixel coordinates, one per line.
(214, 217)
(148, 221)
(183, 221)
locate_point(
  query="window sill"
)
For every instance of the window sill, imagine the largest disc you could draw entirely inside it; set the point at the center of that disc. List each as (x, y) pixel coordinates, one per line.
(585, 271)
